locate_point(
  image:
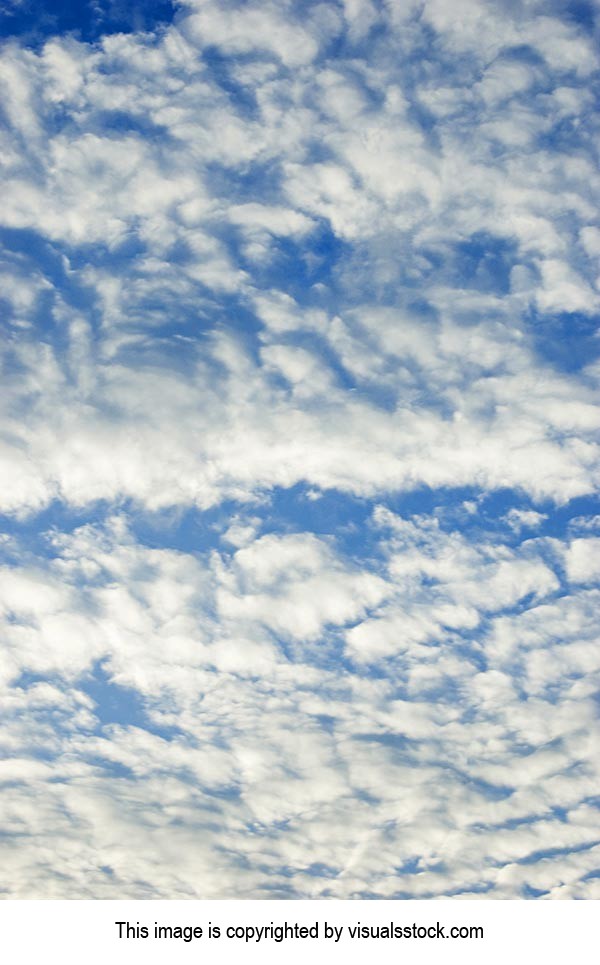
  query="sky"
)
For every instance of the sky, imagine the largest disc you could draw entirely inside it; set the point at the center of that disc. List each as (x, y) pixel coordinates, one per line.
(299, 514)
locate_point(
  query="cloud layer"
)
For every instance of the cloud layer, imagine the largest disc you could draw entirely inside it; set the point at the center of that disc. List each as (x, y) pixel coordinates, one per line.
(299, 451)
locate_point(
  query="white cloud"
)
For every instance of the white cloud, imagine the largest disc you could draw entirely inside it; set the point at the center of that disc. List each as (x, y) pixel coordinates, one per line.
(519, 519)
(256, 27)
(583, 560)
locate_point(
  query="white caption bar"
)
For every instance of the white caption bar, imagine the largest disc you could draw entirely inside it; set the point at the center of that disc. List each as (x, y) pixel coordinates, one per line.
(444, 932)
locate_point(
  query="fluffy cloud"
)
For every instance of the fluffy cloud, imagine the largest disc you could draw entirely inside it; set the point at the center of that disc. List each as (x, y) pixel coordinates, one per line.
(236, 662)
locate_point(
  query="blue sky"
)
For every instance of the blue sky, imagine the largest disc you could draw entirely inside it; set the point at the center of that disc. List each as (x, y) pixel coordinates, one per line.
(300, 518)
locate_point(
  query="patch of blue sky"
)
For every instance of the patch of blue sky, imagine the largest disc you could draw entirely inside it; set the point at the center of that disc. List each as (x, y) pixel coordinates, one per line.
(296, 267)
(556, 814)
(188, 530)
(33, 22)
(566, 135)
(165, 312)
(32, 531)
(483, 261)
(121, 776)
(114, 704)
(569, 341)
(39, 255)
(458, 507)
(580, 12)
(191, 530)
(118, 123)
(472, 889)
(536, 856)
(529, 891)
(484, 512)
(327, 513)
(346, 518)
(340, 517)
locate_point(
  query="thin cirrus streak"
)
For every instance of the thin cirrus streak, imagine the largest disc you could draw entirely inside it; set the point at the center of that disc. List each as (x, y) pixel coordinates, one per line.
(300, 516)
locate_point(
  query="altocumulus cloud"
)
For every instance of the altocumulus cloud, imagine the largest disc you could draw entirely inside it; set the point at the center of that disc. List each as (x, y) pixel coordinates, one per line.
(300, 525)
